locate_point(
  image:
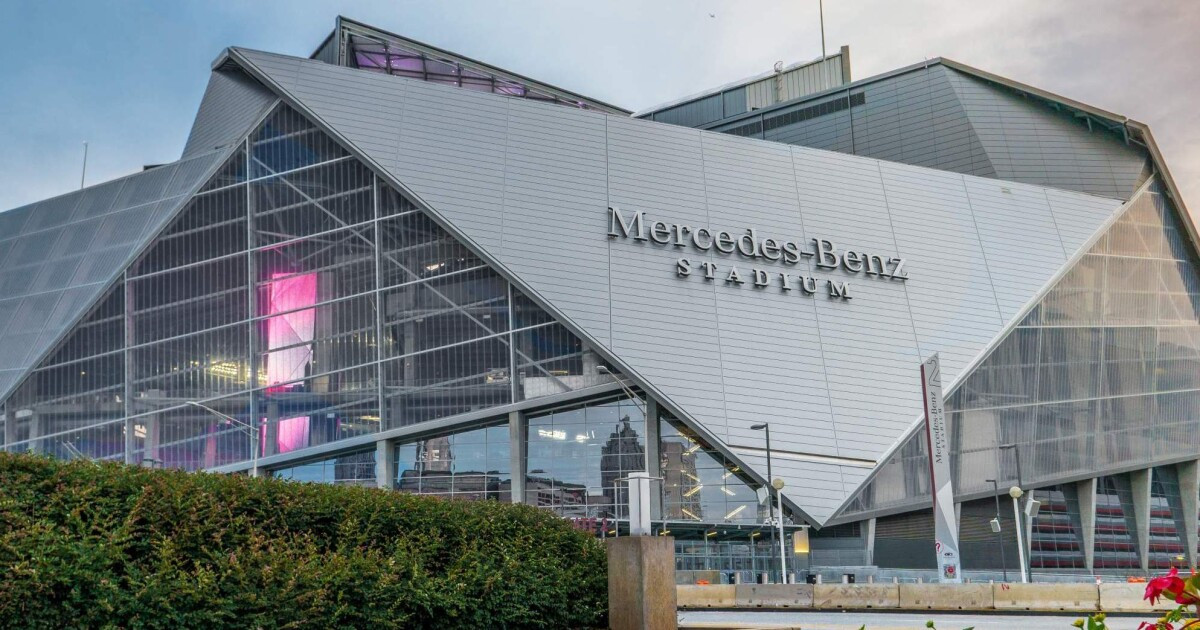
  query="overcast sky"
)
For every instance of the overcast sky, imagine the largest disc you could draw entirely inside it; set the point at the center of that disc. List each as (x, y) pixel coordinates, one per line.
(128, 76)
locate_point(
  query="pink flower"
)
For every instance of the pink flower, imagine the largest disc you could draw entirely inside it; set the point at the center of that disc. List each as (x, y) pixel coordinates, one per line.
(1171, 584)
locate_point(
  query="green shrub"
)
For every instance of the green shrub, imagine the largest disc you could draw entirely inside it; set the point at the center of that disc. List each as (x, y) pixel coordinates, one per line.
(106, 545)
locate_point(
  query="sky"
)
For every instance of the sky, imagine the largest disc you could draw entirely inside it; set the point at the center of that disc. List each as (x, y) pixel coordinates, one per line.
(127, 76)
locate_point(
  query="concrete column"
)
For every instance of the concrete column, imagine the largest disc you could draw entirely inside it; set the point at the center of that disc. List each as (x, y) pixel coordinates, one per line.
(385, 465)
(518, 448)
(1086, 491)
(35, 432)
(653, 458)
(641, 583)
(870, 543)
(1139, 481)
(1189, 491)
(150, 454)
(270, 445)
(10, 429)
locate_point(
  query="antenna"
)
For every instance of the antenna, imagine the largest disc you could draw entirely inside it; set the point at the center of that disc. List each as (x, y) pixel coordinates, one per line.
(83, 174)
(821, 7)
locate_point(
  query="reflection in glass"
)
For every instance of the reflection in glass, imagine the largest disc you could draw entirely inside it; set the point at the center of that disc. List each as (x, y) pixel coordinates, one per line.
(472, 465)
(576, 454)
(699, 484)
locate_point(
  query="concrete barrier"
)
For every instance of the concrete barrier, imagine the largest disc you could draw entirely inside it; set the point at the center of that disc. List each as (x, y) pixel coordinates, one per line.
(1129, 598)
(946, 596)
(707, 596)
(856, 596)
(774, 596)
(1046, 597)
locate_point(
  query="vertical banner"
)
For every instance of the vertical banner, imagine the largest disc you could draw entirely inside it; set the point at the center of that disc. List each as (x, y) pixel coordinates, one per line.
(945, 521)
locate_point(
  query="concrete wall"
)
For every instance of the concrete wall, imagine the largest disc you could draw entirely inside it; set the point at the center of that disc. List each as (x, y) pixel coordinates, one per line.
(1080, 598)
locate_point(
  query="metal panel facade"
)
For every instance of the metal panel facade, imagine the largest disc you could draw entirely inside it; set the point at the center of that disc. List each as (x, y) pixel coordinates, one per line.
(69, 248)
(530, 184)
(232, 102)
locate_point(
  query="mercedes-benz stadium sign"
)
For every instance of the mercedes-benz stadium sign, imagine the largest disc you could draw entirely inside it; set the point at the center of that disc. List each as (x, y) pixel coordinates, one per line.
(764, 250)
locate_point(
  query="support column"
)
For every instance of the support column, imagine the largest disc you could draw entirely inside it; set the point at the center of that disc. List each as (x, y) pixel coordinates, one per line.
(150, 453)
(870, 542)
(518, 447)
(653, 458)
(127, 397)
(1086, 492)
(35, 431)
(10, 430)
(1140, 483)
(1189, 492)
(641, 583)
(385, 465)
(270, 443)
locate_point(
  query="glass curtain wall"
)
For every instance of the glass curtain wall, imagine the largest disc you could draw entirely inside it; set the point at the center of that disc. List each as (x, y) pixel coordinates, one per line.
(297, 300)
(1056, 537)
(576, 455)
(1167, 524)
(700, 484)
(473, 465)
(1104, 372)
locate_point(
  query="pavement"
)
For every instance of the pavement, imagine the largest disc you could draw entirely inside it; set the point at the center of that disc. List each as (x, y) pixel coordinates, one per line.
(882, 620)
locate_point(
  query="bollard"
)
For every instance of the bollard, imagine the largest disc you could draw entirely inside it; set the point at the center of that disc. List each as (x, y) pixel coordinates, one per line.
(871, 579)
(895, 580)
(764, 578)
(819, 579)
(791, 578)
(737, 577)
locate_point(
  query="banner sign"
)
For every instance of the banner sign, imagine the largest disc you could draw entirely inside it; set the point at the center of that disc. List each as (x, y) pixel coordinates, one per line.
(945, 521)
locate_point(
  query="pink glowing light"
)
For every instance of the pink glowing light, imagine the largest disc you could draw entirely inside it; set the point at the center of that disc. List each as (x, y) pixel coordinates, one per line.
(292, 434)
(289, 293)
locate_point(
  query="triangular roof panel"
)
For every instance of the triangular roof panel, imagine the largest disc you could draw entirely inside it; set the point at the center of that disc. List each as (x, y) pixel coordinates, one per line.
(529, 185)
(58, 255)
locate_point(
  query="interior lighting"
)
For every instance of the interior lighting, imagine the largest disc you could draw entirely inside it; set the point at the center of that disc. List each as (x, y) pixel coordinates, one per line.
(735, 511)
(693, 490)
(689, 514)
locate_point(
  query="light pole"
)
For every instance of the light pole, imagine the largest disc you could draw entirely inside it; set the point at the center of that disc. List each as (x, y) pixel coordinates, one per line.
(999, 536)
(1015, 492)
(246, 427)
(777, 485)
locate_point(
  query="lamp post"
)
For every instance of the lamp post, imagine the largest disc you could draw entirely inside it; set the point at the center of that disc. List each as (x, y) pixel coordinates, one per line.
(777, 485)
(246, 427)
(1020, 524)
(999, 536)
(1015, 492)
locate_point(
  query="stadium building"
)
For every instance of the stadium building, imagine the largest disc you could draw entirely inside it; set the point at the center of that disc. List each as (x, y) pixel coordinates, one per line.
(392, 265)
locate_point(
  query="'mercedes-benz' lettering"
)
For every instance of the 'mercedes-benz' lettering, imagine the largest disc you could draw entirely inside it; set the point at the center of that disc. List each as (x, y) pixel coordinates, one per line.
(767, 253)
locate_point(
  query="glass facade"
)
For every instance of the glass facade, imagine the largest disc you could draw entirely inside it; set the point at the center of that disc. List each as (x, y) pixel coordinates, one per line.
(1116, 524)
(1104, 372)
(1168, 547)
(473, 465)
(576, 456)
(299, 295)
(1056, 533)
(376, 53)
(701, 485)
(357, 469)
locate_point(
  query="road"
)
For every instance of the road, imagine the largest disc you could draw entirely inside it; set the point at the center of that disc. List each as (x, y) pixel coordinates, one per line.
(778, 620)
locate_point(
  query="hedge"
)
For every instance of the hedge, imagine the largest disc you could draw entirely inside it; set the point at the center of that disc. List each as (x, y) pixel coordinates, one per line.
(97, 545)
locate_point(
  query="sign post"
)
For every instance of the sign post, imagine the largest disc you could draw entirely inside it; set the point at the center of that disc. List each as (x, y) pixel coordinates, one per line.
(945, 520)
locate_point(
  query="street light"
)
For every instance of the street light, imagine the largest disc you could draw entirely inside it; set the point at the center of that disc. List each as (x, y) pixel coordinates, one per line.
(1016, 448)
(999, 536)
(1015, 492)
(244, 426)
(777, 484)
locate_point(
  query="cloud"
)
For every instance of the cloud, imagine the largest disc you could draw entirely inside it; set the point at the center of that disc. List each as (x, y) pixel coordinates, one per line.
(129, 79)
